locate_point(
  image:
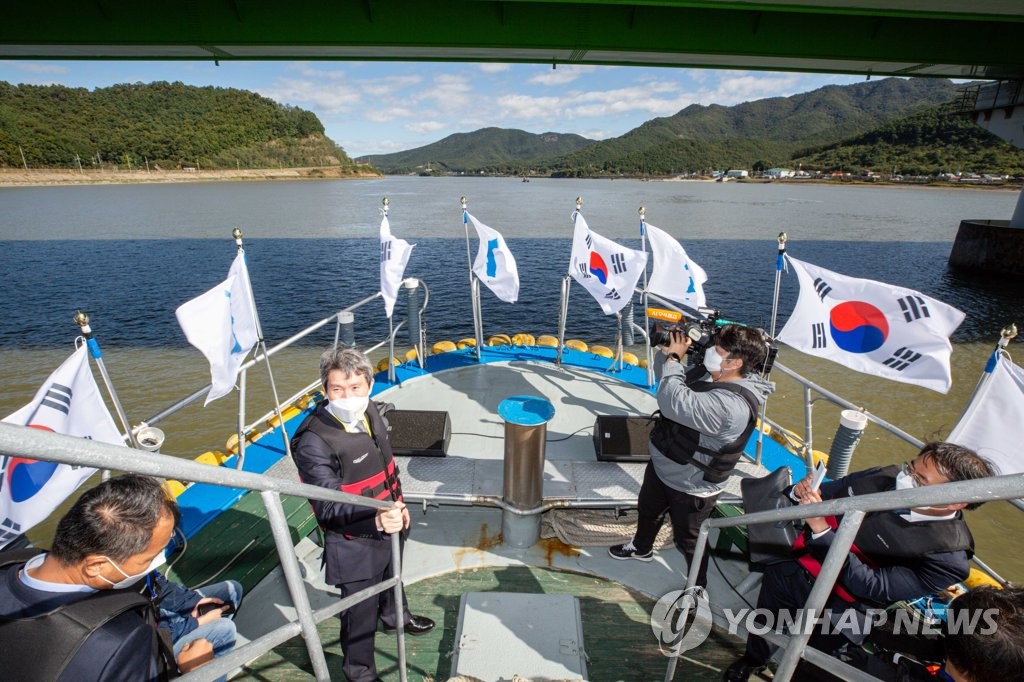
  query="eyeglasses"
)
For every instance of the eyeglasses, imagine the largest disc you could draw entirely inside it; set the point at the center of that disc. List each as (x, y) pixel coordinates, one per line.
(909, 470)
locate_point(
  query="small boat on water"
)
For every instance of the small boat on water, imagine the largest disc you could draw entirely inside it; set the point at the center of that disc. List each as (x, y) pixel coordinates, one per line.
(498, 572)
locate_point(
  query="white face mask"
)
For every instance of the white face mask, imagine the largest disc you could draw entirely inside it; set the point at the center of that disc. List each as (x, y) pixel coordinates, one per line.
(349, 410)
(156, 563)
(904, 481)
(712, 360)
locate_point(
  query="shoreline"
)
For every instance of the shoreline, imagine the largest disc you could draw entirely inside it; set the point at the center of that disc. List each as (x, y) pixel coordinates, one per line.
(51, 178)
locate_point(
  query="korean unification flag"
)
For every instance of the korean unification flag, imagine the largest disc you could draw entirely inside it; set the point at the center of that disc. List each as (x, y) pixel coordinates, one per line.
(607, 270)
(222, 324)
(70, 403)
(993, 425)
(674, 276)
(872, 327)
(494, 264)
(394, 256)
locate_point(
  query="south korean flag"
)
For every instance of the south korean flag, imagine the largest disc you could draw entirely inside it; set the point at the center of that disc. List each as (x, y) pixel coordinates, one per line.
(609, 271)
(872, 327)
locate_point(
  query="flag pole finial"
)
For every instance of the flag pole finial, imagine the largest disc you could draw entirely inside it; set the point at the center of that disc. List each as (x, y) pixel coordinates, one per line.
(387, 204)
(1008, 333)
(579, 203)
(82, 319)
(643, 212)
(237, 234)
(783, 238)
(464, 201)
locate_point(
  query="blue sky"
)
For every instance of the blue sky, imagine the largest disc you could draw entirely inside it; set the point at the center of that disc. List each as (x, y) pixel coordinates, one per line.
(381, 107)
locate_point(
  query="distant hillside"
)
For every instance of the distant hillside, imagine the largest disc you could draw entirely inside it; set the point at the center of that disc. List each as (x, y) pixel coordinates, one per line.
(934, 141)
(167, 124)
(488, 149)
(768, 131)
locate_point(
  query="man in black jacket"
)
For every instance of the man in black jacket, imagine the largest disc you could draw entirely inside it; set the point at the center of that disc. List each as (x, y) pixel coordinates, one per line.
(76, 613)
(343, 445)
(898, 554)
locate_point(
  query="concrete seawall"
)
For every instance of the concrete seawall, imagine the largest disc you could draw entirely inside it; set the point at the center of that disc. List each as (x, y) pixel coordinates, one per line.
(988, 247)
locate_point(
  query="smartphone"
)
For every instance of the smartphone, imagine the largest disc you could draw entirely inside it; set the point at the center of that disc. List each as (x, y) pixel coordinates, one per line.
(225, 609)
(819, 475)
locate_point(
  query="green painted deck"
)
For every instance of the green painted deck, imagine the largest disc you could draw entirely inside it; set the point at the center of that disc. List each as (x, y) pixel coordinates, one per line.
(616, 631)
(240, 539)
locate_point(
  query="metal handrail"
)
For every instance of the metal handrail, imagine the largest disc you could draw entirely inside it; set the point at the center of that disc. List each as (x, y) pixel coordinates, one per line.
(20, 441)
(853, 510)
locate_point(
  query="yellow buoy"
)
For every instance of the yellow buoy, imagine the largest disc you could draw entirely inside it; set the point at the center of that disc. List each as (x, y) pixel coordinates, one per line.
(313, 396)
(287, 413)
(576, 344)
(411, 354)
(547, 341)
(603, 351)
(213, 458)
(467, 343)
(630, 358)
(499, 340)
(819, 456)
(442, 347)
(524, 340)
(232, 445)
(382, 366)
(979, 578)
(173, 488)
(643, 362)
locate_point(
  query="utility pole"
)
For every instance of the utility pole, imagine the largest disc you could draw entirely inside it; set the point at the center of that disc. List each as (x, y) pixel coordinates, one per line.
(146, 158)
(79, 160)
(23, 162)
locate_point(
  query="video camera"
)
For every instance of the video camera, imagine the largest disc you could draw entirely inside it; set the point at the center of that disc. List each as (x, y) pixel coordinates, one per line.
(702, 332)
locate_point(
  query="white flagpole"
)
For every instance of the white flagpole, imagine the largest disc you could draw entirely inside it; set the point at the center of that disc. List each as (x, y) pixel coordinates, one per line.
(780, 264)
(474, 291)
(1007, 334)
(385, 205)
(82, 320)
(643, 245)
(563, 306)
(262, 345)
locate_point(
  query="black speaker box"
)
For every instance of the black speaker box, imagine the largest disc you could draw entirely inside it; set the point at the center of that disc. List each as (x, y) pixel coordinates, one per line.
(622, 439)
(420, 432)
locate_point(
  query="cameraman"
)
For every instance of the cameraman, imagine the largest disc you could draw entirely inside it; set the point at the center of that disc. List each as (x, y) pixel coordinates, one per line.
(700, 434)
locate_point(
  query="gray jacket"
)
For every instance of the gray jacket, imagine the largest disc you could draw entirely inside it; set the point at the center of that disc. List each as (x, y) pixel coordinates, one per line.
(720, 416)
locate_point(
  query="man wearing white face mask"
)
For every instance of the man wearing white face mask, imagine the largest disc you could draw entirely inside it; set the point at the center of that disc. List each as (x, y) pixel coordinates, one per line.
(699, 437)
(900, 554)
(76, 613)
(343, 445)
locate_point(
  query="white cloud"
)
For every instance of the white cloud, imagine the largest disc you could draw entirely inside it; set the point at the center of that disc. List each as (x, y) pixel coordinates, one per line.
(322, 74)
(567, 74)
(387, 114)
(528, 107)
(28, 67)
(490, 67)
(743, 87)
(424, 126)
(381, 87)
(448, 93)
(331, 98)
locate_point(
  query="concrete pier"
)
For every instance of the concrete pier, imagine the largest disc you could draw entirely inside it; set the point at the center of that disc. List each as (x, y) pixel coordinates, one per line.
(990, 247)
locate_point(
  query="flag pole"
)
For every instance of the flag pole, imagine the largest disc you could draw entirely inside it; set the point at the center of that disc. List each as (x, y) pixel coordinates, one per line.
(385, 205)
(262, 345)
(780, 264)
(1006, 334)
(643, 245)
(563, 304)
(82, 320)
(474, 290)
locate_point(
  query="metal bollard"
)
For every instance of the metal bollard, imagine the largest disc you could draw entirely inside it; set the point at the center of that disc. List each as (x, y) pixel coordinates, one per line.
(412, 310)
(347, 328)
(627, 325)
(526, 419)
(150, 438)
(851, 427)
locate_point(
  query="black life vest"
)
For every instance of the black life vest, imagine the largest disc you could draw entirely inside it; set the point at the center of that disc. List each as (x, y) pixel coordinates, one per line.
(373, 475)
(886, 538)
(40, 647)
(679, 443)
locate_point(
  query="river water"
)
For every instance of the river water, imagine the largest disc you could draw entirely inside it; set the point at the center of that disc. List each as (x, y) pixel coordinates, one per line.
(130, 254)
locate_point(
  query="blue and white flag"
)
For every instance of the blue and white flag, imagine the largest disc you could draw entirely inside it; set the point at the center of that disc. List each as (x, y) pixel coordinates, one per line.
(222, 324)
(872, 327)
(494, 264)
(609, 271)
(394, 256)
(993, 424)
(674, 276)
(70, 403)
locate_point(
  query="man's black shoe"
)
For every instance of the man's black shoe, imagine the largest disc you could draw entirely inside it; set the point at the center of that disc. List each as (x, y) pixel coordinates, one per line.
(741, 669)
(417, 625)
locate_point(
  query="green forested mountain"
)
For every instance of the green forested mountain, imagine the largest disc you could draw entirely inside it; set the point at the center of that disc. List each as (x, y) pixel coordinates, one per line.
(767, 131)
(488, 149)
(934, 141)
(166, 124)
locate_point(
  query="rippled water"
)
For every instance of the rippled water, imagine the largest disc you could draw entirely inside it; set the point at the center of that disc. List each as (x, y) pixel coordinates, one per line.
(129, 255)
